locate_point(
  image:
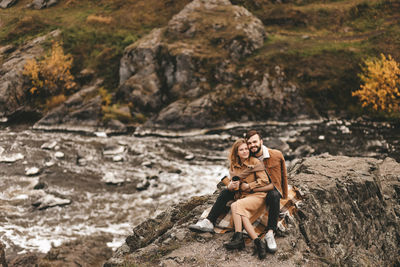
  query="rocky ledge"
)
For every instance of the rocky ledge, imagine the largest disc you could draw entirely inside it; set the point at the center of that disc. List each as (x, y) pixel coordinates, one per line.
(350, 216)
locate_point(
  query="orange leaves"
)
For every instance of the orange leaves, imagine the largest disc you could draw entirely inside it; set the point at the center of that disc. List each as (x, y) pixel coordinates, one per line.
(50, 76)
(381, 82)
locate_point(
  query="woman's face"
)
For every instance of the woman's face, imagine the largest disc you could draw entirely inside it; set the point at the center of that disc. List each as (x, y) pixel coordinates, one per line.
(243, 152)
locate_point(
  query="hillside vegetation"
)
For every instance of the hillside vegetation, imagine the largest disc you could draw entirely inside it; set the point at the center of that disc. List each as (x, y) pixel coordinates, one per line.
(319, 44)
(94, 32)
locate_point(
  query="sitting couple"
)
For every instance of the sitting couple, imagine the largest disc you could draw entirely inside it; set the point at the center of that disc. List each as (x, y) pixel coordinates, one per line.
(257, 177)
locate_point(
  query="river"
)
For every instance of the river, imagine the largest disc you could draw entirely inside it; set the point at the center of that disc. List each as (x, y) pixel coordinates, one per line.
(58, 186)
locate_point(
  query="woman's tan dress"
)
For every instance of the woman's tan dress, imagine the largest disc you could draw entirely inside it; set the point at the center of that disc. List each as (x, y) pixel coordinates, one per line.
(251, 205)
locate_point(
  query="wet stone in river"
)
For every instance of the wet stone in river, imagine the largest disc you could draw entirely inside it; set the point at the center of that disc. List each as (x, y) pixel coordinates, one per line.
(110, 178)
(11, 158)
(49, 163)
(117, 158)
(49, 145)
(49, 201)
(59, 155)
(113, 150)
(32, 171)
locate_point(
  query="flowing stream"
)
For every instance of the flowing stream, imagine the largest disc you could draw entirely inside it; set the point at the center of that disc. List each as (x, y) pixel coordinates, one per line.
(56, 187)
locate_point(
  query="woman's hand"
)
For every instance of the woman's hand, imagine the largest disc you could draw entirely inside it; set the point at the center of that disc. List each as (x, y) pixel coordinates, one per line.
(245, 187)
(233, 185)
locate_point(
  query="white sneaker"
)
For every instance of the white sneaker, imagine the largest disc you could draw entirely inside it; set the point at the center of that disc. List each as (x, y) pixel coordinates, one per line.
(202, 226)
(270, 242)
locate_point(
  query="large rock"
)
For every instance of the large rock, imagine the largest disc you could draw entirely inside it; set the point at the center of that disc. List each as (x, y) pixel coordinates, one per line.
(7, 3)
(349, 217)
(189, 74)
(12, 94)
(40, 4)
(192, 73)
(351, 213)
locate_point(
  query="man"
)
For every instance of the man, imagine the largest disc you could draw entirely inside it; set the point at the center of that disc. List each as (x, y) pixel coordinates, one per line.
(275, 166)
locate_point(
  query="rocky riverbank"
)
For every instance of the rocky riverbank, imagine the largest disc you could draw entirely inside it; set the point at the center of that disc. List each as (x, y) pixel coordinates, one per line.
(59, 187)
(349, 216)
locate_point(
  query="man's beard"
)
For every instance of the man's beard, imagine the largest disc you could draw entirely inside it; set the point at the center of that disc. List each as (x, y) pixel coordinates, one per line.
(256, 152)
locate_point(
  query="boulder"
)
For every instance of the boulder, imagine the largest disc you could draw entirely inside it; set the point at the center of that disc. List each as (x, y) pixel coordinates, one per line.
(49, 201)
(12, 94)
(166, 74)
(192, 73)
(349, 215)
(40, 4)
(7, 3)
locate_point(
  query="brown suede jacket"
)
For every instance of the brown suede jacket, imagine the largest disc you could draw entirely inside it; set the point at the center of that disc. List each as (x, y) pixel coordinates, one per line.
(276, 168)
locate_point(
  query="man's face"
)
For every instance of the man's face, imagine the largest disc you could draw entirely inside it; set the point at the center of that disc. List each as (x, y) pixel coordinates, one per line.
(254, 143)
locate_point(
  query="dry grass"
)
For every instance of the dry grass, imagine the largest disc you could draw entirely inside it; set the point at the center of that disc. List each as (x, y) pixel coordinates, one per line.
(55, 101)
(93, 19)
(339, 5)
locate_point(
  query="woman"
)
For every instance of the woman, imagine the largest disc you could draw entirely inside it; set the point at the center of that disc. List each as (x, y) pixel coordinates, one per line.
(251, 193)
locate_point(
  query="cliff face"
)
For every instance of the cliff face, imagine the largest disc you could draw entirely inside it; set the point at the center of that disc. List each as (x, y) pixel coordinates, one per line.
(351, 213)
(192, 73)
(12, 61)
(349, 216)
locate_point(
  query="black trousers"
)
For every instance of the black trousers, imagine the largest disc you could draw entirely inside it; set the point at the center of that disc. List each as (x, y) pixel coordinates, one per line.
(273, 201)
(219, 206)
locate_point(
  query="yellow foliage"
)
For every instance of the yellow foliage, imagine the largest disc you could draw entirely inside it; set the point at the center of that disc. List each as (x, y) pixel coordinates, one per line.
(51, 75)
(106, 97)
(381, 82)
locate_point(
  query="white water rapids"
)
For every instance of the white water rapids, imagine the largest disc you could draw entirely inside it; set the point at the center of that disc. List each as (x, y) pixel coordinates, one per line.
(172, 170)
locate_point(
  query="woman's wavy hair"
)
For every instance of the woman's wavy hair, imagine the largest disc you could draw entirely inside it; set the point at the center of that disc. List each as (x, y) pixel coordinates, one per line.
(233, 155)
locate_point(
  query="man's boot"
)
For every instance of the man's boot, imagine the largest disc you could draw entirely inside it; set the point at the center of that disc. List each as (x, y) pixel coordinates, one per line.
(237, 241)
(260, 248)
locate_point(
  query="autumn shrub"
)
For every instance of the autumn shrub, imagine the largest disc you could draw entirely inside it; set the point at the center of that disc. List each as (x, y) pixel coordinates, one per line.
(51, 75)
(381, 82)
(106, 97)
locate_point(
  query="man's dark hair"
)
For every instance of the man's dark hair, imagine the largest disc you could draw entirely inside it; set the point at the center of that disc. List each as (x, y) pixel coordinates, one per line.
(251, 133)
